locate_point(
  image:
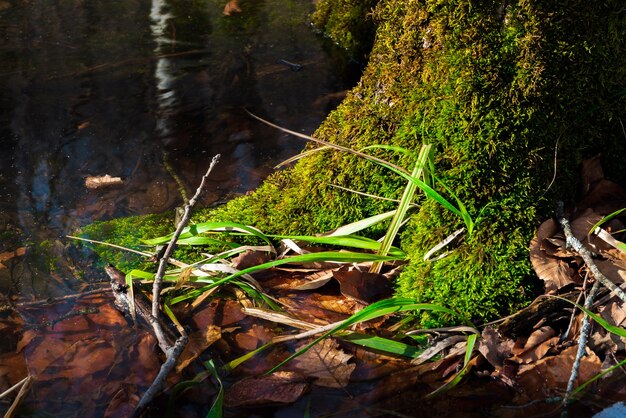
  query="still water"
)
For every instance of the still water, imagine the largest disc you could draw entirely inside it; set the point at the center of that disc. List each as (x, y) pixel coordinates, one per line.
(144, 91)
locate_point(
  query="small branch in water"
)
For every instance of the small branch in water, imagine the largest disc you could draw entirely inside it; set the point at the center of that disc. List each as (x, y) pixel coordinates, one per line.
(161, 380)
(172, 353)
(158, 279)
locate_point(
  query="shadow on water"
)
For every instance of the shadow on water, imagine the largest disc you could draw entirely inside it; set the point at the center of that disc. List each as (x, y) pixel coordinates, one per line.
(141, 90)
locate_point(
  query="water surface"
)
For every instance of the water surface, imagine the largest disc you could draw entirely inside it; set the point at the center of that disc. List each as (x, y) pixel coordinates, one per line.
(144, 91)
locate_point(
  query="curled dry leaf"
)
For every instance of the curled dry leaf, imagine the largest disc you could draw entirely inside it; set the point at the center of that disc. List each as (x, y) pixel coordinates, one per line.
(327, 363)
(555, 272)
(278, 388)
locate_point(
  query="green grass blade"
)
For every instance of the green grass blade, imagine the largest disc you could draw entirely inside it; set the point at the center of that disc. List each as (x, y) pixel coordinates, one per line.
(375, 310)
(353, 241)
(403, 207)
(357, 226)
(233, 364)
(218, 403)
(606, 219)
(385, 345)
(341, 257)
(601, 321)
(207, 241)
(393, 148)
(204, 227)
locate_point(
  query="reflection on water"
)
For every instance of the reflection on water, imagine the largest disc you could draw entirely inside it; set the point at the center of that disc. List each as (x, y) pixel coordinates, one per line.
(94, 88)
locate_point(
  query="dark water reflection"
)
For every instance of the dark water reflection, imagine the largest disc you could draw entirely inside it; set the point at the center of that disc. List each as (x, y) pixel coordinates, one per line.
(89, 88)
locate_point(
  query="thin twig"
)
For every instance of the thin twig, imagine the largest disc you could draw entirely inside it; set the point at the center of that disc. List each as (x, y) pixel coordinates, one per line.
(577, 246)
(161, 380)
(158, 279)
(172, 353)
(572, 242)
(142, 253)
(25, 385)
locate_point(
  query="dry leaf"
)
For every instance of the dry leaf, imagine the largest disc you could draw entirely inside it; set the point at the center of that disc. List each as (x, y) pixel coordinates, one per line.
(232, 7)
(327, 363)
(97, 182)
(535, 347)
(494, 348)
(591, 173)
(549, 376)
(255, 337)
(555, 272)
(278, 388)
(198, 342)
(364, 287)
(250, 258)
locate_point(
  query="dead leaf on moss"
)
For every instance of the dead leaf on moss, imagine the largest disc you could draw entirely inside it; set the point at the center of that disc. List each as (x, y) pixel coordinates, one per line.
(279, 388)
(231, 8)
(327, 363)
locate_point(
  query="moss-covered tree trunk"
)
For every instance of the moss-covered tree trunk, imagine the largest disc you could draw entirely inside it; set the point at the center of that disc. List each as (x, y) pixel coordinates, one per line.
(511, 94)
(506, 91)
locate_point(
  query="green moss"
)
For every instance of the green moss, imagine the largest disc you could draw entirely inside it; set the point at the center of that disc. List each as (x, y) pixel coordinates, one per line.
(348, 23)
(127, 232)
(493, 86)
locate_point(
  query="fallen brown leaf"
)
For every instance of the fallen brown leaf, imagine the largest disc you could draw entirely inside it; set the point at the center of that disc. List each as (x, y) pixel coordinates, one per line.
(327, 363)
(231, 8)
(549, 376)
(555, 272)
(535, 347)
(198, 342)
(278, 388)
(363, 286)
(494, 348)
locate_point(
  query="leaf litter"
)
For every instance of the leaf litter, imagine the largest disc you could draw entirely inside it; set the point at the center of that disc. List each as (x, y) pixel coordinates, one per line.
(100, 364)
